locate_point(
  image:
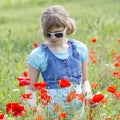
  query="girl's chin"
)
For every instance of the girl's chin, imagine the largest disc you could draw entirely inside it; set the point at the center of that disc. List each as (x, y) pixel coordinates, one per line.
(54, 41)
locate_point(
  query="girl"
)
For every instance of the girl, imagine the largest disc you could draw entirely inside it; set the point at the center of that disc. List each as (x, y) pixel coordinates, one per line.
(57, 58)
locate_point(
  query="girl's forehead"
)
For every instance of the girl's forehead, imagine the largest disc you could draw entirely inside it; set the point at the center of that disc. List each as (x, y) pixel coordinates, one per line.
(56, 29)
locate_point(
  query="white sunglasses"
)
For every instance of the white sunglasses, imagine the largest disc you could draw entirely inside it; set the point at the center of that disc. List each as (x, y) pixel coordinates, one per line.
(56, 34)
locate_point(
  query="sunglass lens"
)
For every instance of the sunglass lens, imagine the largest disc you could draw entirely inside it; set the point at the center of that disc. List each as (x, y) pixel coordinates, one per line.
(59, 35)
(48, 35)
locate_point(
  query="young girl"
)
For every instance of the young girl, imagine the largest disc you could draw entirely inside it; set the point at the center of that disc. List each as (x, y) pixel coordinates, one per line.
(57, 58)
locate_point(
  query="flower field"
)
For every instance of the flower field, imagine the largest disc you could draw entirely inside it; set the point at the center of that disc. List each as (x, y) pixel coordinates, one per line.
(97, 25)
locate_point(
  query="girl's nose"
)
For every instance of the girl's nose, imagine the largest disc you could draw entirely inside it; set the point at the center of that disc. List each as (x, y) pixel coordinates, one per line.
(52, 36)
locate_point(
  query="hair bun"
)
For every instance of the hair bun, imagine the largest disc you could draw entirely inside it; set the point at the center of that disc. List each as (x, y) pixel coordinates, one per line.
(71, 26)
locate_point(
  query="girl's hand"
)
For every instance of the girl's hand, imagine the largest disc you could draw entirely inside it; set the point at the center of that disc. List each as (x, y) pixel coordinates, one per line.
(95, 100)
(93, 105)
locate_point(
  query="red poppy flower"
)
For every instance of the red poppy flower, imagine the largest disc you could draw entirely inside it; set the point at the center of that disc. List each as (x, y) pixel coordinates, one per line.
(105, 101)
(40, 85)
(116, 74)
(92, 52)
(38, 118)
(71, 96)
(1, 116)
(118, 40)
(114, 53)
(94, 60)
(26, 96)
(118, 116)
(43, 91)
(94, 85)
(9, 107)
(97, 98)
(91, 57)
(23, 78)
(15, 108)
(111, 89)
(108, 118)
(94, 40)
(80, 97)
(117, 58)
(117, 95)
(25, 74)
(64, 83)
(45, 99)
(117, 64)
(35, 44)
(24, 83)
(62, 115)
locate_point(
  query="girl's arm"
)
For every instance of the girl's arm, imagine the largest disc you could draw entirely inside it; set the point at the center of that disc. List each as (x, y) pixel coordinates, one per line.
(86, 89)
(33, 74)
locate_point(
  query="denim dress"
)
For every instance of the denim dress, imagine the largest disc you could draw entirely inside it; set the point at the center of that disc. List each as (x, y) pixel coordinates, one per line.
(58, 68)
(69, 68)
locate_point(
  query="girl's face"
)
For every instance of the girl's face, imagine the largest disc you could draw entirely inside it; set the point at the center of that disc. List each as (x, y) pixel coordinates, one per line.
(56, 34)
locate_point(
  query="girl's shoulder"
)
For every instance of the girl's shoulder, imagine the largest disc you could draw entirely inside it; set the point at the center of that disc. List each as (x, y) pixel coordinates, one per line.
(37, 55)
(82, 50)
(38, 59)
(38, 51)
(79, 44)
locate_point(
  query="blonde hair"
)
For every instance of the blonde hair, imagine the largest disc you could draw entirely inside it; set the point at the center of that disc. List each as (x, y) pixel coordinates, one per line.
(56, 16)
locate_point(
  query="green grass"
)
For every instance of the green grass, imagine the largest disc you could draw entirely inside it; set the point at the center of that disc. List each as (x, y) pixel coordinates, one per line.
(20, 26)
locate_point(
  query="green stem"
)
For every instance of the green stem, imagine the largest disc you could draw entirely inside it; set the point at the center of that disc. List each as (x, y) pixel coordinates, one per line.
(8, 49)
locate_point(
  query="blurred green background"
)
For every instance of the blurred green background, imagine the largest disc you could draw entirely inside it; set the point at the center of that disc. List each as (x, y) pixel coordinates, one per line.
(20, 27)
(94, 18)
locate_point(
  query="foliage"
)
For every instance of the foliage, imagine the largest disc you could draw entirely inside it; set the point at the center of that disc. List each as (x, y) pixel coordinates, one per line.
(20, 28)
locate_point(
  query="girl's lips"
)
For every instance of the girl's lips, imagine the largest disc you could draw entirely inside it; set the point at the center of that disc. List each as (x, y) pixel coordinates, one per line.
(54, 40)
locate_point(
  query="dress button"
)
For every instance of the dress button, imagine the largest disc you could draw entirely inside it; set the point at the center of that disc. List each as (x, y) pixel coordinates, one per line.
(45, 46)
(69, 75)
(65, 61)
(67, 68)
